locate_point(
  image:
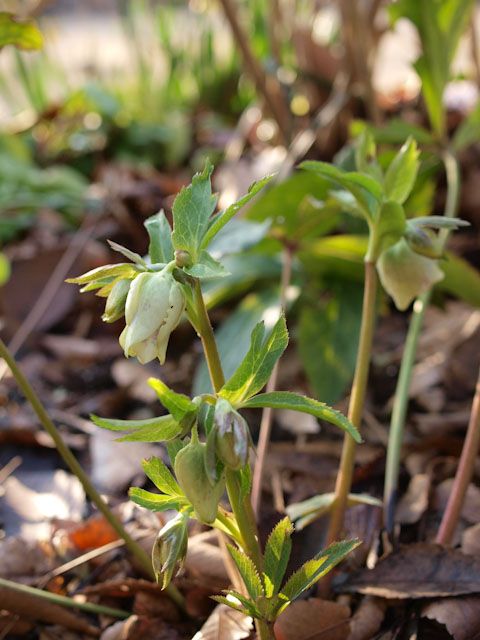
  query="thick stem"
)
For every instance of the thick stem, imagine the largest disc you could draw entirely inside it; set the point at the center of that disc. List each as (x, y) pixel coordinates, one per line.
(357, 398)
(241, 505)
(73, 464)
(399, 412)
(464, 474)
(267, 414)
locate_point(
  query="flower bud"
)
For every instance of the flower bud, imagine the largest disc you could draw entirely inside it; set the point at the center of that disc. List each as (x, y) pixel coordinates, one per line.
(154, 306)
(169, 549)
(192, 478)
(405, 274)
(424, 241)
(115, 305)
(232, 435)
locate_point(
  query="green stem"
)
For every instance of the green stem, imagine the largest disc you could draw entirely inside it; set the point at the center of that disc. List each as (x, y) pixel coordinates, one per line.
(63, 600)
(399, 412)
(241, 504)
(73, 464)
(357, 399)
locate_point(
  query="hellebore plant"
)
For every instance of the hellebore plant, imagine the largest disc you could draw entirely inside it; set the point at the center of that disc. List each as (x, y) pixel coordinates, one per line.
(404, 253)
(207, 438)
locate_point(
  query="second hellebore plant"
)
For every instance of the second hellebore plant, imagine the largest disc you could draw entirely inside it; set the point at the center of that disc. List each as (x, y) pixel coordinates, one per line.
(207, 438)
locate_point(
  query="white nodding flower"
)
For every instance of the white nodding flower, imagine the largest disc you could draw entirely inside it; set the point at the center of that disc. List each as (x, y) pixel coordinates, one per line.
(405, 274)
(153, 309)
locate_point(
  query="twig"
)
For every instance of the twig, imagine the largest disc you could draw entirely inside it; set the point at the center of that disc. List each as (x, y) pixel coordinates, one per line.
(267, 413)
(63, 600)
(74, 249)
(464, 474)
(76, 468)
(268, 87)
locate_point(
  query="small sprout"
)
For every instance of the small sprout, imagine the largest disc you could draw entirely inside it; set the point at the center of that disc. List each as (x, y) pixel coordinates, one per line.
(169, 549)
(153, 309)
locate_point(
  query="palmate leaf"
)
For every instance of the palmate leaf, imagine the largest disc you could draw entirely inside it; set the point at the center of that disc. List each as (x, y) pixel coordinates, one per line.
(159, 231)
(192, 209)
(161, 477)
(277, 554)
(178, 404)
(247, 571)
(313, 570)
(255, 369)
(303, 404)
(156, 501)
(158, 429)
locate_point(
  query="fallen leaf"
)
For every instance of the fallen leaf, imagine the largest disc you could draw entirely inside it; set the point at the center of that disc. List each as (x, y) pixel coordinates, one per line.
(93, 533)
(471, 540)
(471, 504)
(461, 616)
(419, 570)
(21, 557)
(367, 619)
(313, 619)
(224, 624)
(137, 627)
(414, 502)
(131, 375)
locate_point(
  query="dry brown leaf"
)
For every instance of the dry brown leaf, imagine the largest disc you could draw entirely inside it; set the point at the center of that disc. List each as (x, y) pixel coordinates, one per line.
(419, 570)
(206, 560)
(20, 557)
(224, 624)
(137, 627)
(471, 504)
(461, 616)
(471, 540)
(414, 503)
(367, 619)
(313, 619)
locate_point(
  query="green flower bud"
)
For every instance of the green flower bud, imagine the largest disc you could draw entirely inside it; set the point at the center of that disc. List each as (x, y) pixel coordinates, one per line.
(232, 435)
(405, 274)
(192, 478)
(115, 305)
(155, 303)
(169, 549)
(424, 241)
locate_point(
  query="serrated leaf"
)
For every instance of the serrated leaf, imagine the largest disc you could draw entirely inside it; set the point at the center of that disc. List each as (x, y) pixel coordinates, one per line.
(277, 554)
(161, 476)
(206, 268)
(164, 427)
(303, 404)
(159, 231)
(24, 35)
(178, 404)
(156, 501)
(221, 219)
(239, 602)
(232, 604)
(247, 571)
(131, 255)
(366, 190)
(192, 209)
(255, 369)
(402, 172)
(313, 570)
(98, 275)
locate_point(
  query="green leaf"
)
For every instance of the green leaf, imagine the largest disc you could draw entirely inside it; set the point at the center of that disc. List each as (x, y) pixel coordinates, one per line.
(149, 430)
(246, 606)
(206, 268)
(192, 209)
(468, 132)
(221, 219)
(240, 234)
(402, 172)
(303, 404)
(178, 404)
(327, 338)
(390, 225)
(161, 476)
(461, 279)
(277, 554)
(305, 512)
(232, 604)
(395, 131)
(131, 255)
(24, 35)
(315, 569)
(365, 189)
(247, 571)
(159, 231)
(156, 501)
(255, 369)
